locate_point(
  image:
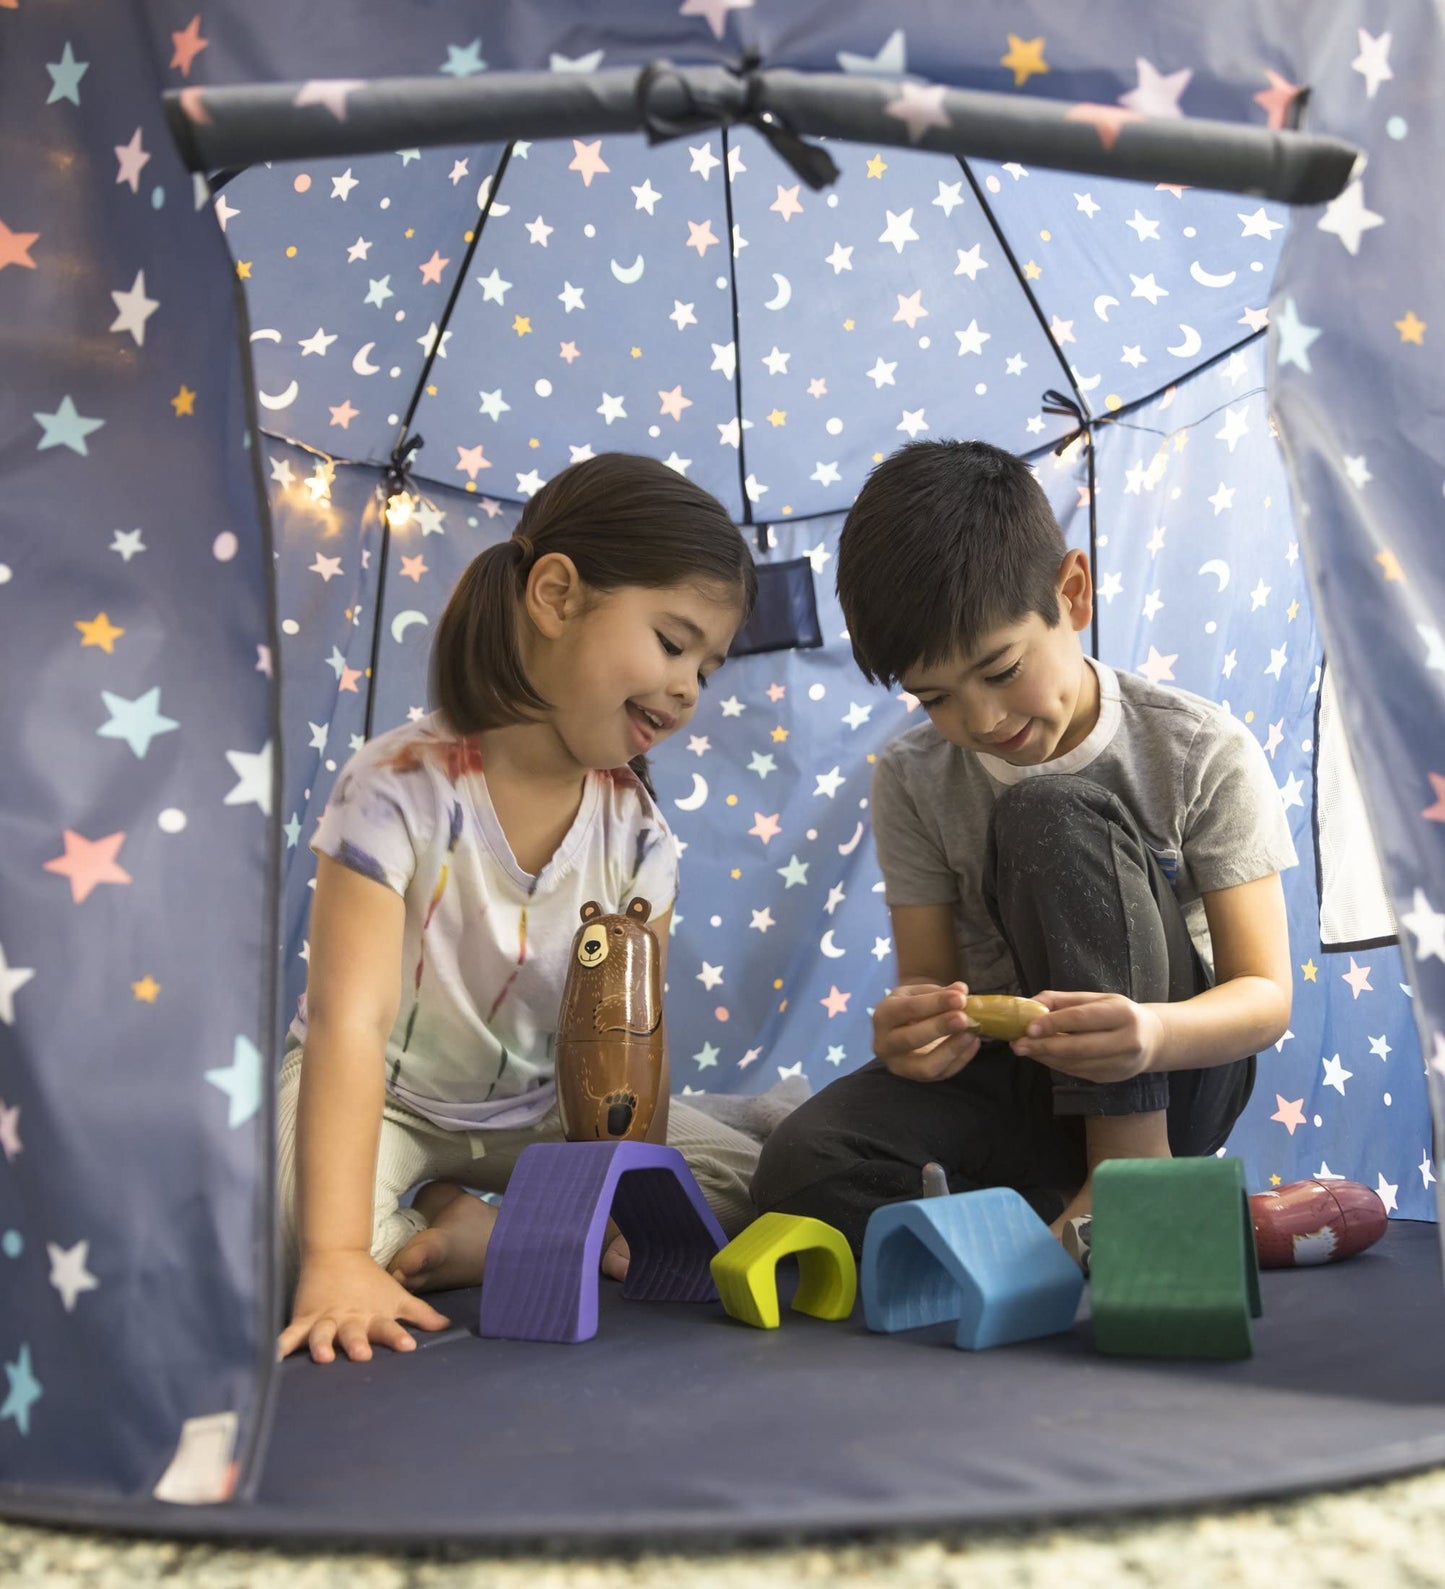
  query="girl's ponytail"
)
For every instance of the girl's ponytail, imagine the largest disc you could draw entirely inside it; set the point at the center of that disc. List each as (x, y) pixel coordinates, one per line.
(477, 678)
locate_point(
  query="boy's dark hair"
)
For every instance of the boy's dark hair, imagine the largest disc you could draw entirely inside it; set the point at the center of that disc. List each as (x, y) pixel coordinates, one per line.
(946, 541)
(623, 519)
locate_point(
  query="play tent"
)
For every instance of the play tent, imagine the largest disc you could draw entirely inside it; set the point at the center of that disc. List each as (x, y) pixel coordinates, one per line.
(213, 384)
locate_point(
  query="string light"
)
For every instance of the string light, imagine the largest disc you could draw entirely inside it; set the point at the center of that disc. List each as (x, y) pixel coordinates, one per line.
(398, 502)
(400, 506)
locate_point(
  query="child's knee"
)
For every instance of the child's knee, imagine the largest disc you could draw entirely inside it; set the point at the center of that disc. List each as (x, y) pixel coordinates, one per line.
(724, 1183)
(802, 1150)
(1041, 816)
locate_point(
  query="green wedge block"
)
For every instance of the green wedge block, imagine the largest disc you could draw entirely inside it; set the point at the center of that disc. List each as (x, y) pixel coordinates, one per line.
(1172, 1266)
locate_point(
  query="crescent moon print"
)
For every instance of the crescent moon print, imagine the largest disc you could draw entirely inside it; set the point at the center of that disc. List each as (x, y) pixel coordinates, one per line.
(697, 798)
(784, 295)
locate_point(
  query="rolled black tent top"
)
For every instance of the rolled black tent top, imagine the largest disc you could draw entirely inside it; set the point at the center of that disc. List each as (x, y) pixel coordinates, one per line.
(239, 125)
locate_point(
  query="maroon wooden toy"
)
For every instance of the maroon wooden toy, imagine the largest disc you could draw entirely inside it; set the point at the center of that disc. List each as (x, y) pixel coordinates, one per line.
(610, 1041)
(1312, 1222)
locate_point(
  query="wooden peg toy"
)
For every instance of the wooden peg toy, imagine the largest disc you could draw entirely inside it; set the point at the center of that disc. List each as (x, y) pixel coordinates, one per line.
(610, 1039)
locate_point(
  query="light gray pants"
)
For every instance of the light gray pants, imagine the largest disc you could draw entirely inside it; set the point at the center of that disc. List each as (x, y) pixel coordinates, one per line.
(413, 1149)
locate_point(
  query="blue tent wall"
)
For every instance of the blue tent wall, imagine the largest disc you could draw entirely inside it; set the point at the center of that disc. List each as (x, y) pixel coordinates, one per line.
(138, 908)
(1355, 404)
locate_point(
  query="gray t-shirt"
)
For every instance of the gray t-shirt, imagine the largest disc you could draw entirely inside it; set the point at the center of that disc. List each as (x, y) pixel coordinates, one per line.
(1194, 779)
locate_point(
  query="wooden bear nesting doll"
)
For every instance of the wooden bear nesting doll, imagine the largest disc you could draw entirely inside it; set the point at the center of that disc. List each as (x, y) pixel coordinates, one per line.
(610, 1040)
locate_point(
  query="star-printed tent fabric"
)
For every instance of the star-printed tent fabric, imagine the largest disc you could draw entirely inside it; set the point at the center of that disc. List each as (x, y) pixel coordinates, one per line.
(203, 610)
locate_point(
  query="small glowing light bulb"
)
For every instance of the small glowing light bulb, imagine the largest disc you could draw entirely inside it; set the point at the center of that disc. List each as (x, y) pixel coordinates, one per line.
(399, 506)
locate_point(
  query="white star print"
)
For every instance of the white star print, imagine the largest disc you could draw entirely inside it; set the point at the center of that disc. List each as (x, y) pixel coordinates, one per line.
(1234, 429)
(494, 289)
(950, 196)
(828, 783)
(1147, 287)
(970, 262)
(1428, 926)
(840, 259)
(899, 230)
(68, 1272)
(253, 770)
(1373, 61)
(1335, 1074)
(1348, 219)
(12, 979)
(1143, 228)
(1258, 224)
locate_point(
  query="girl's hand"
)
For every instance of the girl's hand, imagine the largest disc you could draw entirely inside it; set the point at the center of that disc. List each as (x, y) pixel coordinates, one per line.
(347, 1300)
(920, 1031)
(1095, 1036)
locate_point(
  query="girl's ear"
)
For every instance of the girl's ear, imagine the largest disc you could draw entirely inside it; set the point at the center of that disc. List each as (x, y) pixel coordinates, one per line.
(554, 593)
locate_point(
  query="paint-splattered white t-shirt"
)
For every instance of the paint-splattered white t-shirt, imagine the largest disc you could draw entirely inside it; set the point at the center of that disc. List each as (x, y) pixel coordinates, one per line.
(486, 945)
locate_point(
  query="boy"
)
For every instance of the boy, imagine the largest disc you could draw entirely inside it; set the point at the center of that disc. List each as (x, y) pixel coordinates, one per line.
(1055, 829)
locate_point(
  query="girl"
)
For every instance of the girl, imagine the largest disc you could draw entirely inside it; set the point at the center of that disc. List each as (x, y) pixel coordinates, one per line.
(454, 857)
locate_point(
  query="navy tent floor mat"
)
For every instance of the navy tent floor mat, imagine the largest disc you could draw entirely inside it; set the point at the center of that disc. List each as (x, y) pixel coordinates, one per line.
(677, 1423)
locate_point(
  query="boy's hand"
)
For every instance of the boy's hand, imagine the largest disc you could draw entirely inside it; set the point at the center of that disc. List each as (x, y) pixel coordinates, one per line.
(347, 1300)
(920, 1031)
(1095, 1036)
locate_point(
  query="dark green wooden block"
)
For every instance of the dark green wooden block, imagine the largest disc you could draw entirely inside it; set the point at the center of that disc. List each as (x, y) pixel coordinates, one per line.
(1172, 1267)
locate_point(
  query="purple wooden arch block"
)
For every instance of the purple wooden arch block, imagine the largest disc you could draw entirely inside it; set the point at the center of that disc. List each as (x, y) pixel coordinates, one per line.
(542, 1263)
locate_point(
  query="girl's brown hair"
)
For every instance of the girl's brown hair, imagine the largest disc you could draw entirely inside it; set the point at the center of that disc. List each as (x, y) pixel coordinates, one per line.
(623, 519)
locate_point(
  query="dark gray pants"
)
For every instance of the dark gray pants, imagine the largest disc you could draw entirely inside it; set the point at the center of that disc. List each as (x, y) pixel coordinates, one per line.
(1083, 905)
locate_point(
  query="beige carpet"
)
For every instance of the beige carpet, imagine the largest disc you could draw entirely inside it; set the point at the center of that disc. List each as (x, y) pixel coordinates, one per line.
(1386, 1536)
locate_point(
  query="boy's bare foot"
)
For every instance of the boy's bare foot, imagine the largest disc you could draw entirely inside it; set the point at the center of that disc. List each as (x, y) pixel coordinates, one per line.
(452, 1250)
(1077, 1237)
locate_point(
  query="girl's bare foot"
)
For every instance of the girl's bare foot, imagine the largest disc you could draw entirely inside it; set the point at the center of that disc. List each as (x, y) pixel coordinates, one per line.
(615, 1253)
(452, 1250)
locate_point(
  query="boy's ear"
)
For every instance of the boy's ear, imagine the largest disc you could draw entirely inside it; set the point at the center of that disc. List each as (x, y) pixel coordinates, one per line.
(1076, 589)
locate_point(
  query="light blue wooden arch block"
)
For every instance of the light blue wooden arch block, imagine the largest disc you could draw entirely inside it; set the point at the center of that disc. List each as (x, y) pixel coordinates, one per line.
(984, 1258)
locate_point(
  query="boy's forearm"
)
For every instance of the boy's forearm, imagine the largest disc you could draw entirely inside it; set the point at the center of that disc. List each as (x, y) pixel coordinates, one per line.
(338, 1127)
(1222, 1024)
